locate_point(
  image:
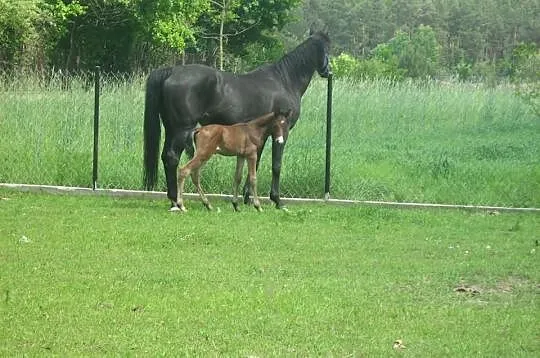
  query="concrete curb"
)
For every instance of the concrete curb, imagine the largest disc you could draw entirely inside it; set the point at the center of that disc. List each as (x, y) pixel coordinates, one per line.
(161, 195)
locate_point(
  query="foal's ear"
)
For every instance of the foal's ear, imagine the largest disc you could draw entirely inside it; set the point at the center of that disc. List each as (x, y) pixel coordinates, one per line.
(285, 113)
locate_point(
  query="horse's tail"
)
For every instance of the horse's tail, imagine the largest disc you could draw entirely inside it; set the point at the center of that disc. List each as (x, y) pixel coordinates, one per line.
(152, 126)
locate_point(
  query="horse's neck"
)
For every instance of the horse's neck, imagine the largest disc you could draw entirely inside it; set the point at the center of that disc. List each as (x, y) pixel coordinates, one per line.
(296, 70)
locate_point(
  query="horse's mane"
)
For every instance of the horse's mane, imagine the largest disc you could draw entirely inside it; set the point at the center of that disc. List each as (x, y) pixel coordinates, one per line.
(303, 57)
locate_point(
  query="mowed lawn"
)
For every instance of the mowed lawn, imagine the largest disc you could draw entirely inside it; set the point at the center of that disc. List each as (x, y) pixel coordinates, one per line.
(98, 276)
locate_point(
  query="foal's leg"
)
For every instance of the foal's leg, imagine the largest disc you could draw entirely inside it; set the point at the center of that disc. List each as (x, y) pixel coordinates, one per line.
(247, 191)
(237, 181)
(196, 178)
(252, 175)
(192, 166)
(182, 174)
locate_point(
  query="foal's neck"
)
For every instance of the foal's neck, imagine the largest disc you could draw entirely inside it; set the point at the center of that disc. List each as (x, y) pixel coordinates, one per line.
(260, 126)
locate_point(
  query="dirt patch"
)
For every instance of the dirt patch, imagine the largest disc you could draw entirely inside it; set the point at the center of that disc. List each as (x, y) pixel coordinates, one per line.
(505, 286)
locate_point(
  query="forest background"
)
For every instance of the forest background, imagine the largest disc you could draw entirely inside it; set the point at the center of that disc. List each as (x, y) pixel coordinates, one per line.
(467, 40)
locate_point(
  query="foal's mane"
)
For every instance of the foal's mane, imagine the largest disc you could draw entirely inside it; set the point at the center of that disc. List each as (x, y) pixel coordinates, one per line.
(262, 120)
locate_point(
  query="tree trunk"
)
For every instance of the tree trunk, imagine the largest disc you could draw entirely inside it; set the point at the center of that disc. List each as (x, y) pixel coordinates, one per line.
(221, 25)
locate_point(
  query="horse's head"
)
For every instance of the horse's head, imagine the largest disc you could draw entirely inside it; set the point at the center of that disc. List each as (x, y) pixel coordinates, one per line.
(323, 49)
(281, 125)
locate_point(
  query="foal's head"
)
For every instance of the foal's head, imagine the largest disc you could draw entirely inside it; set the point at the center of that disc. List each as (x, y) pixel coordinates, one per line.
(280, 125)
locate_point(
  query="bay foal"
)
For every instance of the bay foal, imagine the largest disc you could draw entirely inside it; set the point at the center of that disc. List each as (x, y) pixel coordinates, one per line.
(243, 140)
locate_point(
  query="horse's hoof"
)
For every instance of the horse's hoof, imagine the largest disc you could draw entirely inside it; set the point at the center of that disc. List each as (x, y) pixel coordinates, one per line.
(284, 208)
(235, 207)
(174, 209)
(259, 209)
(208, 207)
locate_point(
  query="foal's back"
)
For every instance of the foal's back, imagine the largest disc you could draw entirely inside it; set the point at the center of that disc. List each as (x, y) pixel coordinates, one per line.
(237, 139)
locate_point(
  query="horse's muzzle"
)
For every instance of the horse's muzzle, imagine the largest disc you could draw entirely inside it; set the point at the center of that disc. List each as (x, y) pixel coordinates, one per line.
(325, 71)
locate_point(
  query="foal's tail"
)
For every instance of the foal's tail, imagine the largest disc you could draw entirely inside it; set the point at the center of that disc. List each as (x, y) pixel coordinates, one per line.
(152, 126)
(191, 143)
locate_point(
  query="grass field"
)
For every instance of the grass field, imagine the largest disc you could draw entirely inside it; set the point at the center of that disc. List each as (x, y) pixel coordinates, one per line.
(434, 142)
(95, 276)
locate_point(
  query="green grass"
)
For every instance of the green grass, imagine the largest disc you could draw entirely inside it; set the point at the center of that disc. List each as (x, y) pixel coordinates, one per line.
(409, 142)
(97, 276)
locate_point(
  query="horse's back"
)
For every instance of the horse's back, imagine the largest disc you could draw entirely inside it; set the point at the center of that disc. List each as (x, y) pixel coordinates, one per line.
(198, 93)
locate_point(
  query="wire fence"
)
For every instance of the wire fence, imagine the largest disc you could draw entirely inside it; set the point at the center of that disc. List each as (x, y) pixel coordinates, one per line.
(70, 146)
(405, 142)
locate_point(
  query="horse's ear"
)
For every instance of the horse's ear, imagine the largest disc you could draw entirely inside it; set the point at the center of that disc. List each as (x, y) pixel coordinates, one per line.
(289, 113)
(325, 32)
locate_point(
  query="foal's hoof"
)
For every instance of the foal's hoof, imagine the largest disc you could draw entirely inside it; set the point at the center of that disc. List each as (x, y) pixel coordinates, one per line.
(235, 206)
(208, 206)
(259, 208)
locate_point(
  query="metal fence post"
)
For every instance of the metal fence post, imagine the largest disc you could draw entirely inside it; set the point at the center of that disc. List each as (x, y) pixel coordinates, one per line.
(328, 138)
(96, 128)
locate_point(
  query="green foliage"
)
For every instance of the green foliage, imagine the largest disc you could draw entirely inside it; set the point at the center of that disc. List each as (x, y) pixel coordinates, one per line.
(344, 65)
(467, 31)
(55, 21)
(416, 53)
(256, 54)
(15, 31)
(526, 63)
(413, 55)
(171, 22)
(526, 74)
(464, 70)
(126, 35)
(530, 93)
(247, 22)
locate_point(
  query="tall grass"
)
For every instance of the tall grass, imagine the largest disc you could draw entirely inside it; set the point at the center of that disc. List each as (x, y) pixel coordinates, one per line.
(422, 142)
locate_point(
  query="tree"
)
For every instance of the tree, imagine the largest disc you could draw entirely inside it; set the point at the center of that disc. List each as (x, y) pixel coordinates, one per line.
(241, 24)
(525, 74)
(14, 30)
(417, 53)
(171, 22)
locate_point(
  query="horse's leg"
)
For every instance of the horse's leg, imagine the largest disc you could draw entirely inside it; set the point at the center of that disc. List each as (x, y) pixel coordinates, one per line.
(252, 175)
(277, 155)
(237, 181)
(196, 178)
(247, 191)
(172, 150)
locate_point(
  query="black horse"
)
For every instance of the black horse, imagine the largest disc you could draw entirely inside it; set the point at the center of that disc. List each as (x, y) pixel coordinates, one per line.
(186, 95)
